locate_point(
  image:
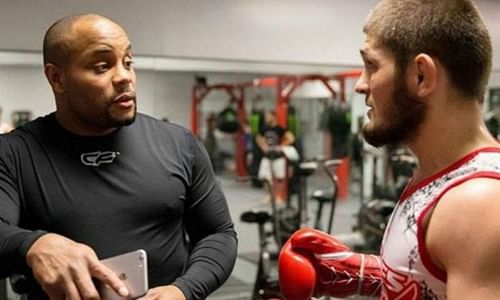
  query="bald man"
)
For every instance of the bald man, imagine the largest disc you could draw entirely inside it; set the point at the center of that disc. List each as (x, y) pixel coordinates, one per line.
(96, 179)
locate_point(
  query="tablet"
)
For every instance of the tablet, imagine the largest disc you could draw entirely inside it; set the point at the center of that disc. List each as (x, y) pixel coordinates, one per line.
(132, 268)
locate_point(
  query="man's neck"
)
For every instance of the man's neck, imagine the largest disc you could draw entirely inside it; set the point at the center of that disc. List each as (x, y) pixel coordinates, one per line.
(448, 135)
(74, 126)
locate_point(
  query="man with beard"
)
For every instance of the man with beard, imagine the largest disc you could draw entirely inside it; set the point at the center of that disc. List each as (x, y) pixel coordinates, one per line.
(426, 68)
(95, 179)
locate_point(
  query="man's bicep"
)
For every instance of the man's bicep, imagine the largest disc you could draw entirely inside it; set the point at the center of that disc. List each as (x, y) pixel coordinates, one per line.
(209, 215)
(479, 280)
(207, 210)
(463, 237)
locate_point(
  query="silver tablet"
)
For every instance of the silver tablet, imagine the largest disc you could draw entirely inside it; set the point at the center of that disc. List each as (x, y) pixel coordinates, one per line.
(132, 268)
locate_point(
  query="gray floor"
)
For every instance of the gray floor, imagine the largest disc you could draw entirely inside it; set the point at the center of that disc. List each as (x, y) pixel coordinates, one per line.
(242, 197)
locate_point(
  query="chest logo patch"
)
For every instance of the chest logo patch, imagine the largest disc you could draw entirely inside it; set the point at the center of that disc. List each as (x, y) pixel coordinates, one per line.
(95, 159)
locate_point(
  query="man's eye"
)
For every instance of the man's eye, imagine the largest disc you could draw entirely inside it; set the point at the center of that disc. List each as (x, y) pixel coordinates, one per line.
(129, 63)
(100, 68)
(369, 65)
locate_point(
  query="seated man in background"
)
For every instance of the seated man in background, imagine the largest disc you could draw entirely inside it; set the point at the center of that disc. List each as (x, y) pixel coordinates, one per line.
(427, 64)
(272, 140)
(4, 127)
(95, 179)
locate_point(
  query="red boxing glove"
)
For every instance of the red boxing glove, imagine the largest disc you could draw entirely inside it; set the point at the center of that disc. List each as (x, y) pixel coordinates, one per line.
(313, 263)
(297, 275)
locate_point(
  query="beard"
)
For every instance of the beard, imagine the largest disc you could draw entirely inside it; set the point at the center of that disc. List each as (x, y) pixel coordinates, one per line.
(108, 120)
(402, 120)
(104, 118)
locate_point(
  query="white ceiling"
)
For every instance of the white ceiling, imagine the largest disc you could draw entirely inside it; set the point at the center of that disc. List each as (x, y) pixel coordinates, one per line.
(317, 32)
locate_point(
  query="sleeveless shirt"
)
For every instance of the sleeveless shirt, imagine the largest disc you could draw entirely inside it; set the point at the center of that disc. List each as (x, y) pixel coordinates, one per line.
(408, 271)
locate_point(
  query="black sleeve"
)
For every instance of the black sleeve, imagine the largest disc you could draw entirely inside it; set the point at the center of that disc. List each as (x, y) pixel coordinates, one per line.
(210, 229)
(14, 241)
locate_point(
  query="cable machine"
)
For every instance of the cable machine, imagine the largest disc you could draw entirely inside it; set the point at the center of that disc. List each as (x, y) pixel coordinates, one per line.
(236, 93)
(286, 85)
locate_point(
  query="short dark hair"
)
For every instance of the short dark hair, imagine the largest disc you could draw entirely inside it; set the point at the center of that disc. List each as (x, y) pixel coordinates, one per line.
(56, 43)
(450, 30)
(55, 47)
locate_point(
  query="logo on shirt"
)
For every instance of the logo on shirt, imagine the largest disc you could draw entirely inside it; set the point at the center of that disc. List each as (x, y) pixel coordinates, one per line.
(398, 286)
(95, 159)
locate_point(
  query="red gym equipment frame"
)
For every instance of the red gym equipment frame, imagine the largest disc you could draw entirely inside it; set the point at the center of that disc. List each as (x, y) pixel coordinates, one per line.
(285, 86)
(237, 94)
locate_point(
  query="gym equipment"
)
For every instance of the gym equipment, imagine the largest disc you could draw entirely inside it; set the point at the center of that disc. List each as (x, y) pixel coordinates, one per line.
(284, 221)
(315, 263)
(325, 196)
(21, 117)
(285, 85)
(374, 213)
(266, 286)
(236, 93)
(211, 145)
(228, 119)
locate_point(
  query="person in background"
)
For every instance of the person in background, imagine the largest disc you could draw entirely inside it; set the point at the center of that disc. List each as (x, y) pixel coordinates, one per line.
(271, 140)
(4, 127)
(426, 67)
(95, 179)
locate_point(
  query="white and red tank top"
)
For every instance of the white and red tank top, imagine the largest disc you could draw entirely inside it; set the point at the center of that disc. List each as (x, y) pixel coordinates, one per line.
(408, 271)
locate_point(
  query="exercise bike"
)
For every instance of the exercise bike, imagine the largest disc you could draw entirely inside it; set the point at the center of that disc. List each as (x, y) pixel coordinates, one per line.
(283, 221)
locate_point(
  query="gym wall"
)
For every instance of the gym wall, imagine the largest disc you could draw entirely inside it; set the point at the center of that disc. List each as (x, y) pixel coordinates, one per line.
(160, 94)
(313, 31)
(279, 36)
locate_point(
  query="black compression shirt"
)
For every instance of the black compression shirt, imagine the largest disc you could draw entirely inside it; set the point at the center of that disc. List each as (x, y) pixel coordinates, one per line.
(148, 185)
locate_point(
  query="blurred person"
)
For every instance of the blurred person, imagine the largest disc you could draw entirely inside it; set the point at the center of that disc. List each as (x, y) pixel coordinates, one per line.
(4, 127)
(272, 140)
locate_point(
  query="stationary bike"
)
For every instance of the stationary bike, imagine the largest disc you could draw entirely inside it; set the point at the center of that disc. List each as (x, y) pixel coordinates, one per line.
(283, 221)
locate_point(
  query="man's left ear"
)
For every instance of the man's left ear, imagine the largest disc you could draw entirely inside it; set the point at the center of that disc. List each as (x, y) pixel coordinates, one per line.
(422, 75)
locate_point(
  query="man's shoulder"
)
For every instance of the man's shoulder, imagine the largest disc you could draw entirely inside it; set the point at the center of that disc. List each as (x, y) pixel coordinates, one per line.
(475, 194)
(24, 131)
(464, 232)
(479, 196)
(465, 215)
(160, 127)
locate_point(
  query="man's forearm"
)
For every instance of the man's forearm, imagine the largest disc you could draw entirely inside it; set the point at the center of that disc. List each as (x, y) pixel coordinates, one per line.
(15, 243)
(210, 264)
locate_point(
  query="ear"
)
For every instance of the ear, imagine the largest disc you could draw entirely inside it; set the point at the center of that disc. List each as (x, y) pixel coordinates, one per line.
(423, 75)
(55, 76)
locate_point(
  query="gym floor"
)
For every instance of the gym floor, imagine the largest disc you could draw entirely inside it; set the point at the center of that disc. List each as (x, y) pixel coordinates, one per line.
(242, 197)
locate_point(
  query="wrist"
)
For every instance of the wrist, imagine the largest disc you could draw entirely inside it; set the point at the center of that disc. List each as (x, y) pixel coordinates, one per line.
(30, 247)
(179, 294)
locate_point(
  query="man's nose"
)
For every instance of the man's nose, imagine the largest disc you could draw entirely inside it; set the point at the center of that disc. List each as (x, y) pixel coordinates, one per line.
(361, 86)
(124, 75)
